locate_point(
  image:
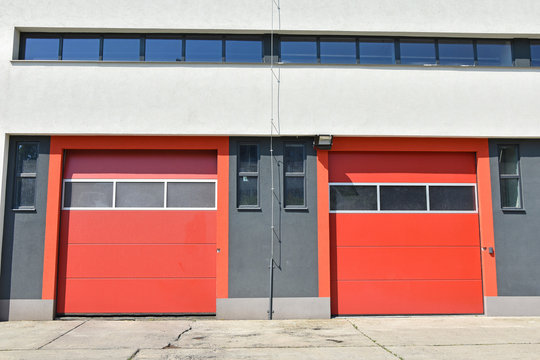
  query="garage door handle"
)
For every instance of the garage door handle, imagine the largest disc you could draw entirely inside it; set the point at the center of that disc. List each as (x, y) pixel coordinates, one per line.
(490, 249)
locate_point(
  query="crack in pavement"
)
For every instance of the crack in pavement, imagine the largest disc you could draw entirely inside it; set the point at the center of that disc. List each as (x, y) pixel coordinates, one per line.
(134, 354)
(170, 345)
(375, 341)
(67, 332)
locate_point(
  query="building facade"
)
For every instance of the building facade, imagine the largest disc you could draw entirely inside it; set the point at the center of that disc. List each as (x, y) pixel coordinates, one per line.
(256, 159)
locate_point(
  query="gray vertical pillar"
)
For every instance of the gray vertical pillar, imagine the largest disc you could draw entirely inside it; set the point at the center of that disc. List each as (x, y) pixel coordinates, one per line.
(23, 241)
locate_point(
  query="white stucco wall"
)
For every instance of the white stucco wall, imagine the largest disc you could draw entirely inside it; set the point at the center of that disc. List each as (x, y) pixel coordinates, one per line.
(362, 16)
(122, 98)
(181, 99)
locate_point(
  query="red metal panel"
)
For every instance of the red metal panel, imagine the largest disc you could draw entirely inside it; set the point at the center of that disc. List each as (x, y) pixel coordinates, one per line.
(139, 227)
(407, 297)
(402, 167)
(405, 263)
(135, 164)
(130, 296)
(404, 229)
(408, 263)
(139, 260)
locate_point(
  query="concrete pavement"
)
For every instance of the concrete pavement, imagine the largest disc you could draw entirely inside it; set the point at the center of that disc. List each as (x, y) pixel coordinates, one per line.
(385, 338)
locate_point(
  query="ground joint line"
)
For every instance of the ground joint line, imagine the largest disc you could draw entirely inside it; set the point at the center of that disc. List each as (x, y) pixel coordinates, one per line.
(375, 341)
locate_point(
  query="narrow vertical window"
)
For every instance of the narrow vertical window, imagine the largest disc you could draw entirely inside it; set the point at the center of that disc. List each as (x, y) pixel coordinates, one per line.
(509, 176)
(295, 176)
(25, 175)
(248, 176)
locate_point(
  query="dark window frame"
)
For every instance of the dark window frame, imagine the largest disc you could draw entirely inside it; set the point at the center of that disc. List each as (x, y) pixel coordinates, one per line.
(142, 46)
(458, 40)
(348, 39)
(182, 38)
(242, 38)
(204, 37)
(80, 36)
(265, 39)
(25, 36)
(533, 42)
(297, 38)
(510, 176)
(256, 174)
(487, 41)
(389, 40)
(22, 175)
(295, 174)
(419, 40)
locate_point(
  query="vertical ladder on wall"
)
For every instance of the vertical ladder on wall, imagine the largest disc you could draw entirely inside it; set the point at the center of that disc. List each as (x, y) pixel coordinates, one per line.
(274, 131)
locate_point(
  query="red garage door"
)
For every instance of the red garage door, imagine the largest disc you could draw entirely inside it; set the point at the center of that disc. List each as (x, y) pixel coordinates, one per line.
(404, 233)
(138, 232)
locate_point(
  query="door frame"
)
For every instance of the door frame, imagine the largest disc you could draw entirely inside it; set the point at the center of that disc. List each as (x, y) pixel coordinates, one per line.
(59, 144)
(485, 209)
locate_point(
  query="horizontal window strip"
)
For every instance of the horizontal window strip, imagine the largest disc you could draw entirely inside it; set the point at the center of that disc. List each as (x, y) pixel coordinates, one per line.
(406, 198)
(139, 194)
(255, 48)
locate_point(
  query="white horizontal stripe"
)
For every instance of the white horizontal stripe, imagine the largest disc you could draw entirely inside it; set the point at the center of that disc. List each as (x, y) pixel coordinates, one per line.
(163, 181)
(400, 184)
(427, 185)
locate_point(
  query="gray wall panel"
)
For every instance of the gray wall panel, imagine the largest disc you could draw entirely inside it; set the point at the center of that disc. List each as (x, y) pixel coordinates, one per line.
(24, 231)
(517, 239)
(250, 237)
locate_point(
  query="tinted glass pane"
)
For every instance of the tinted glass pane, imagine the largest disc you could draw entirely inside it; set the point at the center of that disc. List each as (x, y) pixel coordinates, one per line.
(26, 192)
(304, 52)
(80, 49)
(457, 198)
(41, 49)
(417, 52)
(377, 52)
(163, 50)
(134, 194)
(338, 52)
(294, 191)
(248, 51)
(508, 160)
(456, 52)
(27, 154)
(248, 158)
(353, 197)
(510, 197)
(121, 49)
(88, 194)
(535, 54)
(403, 198)
(204, 50)
(294, 158)
(247, 191)
(191, 194)
(494, 53)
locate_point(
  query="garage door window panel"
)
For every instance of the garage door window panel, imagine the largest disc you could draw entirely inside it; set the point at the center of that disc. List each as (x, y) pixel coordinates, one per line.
(140, 194)
(452, 198)
(403, 198)
(353, 198)
(88, 194)
(191, 195)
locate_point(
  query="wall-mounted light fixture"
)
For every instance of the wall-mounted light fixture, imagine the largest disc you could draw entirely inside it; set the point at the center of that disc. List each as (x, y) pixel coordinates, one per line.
(323, 142)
